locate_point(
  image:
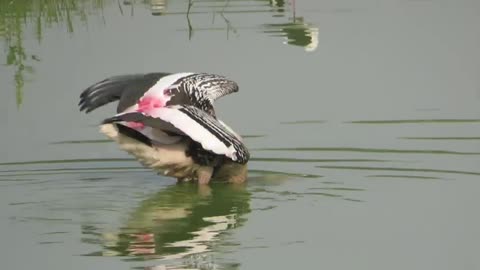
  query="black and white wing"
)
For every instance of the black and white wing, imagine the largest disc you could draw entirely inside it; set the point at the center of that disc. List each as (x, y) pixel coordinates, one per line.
(198, 125)
(196, 89)
(207, 86)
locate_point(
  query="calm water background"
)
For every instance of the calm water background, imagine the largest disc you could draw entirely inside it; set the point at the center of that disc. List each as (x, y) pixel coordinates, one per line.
(363, 119)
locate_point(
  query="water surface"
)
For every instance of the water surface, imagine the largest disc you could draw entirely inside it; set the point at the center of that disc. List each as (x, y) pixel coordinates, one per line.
(362, 118)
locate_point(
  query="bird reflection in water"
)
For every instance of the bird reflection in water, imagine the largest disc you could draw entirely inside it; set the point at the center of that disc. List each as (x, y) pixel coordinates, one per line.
(178, 222)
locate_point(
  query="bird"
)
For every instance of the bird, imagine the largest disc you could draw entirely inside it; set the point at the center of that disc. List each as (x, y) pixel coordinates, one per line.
(167, 121)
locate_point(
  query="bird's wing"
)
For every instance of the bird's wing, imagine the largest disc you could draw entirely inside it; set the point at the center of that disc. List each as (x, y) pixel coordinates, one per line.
(194, 123)
(207, 86)
(197, 89)
(126, 88)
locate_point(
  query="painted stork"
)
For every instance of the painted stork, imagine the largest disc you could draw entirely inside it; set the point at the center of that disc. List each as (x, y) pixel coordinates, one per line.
(168, 122)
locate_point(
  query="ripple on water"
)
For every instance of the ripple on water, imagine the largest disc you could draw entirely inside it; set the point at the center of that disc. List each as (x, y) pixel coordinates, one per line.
(440, 171)
(303, 122)
(370, 150)
(416, 121)
(180, 222)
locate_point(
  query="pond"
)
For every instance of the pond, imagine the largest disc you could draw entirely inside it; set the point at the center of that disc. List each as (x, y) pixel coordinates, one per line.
(362, 119)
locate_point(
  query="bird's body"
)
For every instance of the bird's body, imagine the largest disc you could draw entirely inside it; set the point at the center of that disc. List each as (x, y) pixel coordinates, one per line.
(168, 122)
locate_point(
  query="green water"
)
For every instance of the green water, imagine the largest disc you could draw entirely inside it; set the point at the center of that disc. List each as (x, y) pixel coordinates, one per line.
(362, 118)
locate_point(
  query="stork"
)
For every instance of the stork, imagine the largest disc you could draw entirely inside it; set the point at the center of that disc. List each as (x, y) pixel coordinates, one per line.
(168, 123)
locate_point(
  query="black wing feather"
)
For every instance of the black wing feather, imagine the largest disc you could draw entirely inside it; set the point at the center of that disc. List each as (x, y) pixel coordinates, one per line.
(126, 88)
(146, 120)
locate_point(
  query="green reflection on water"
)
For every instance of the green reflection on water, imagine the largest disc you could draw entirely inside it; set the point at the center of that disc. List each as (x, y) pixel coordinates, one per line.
(16, 15)
(177, 222)
(297, 33)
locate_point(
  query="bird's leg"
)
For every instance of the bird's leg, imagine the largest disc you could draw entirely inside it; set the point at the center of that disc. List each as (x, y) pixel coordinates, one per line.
(204, 190)
(204, 174)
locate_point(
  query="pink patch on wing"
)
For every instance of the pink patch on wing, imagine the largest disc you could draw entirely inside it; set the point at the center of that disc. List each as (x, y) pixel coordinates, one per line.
(146, 104)
(135, 125)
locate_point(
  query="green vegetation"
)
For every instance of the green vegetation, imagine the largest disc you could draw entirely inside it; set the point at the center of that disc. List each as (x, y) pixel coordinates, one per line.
(20, 16)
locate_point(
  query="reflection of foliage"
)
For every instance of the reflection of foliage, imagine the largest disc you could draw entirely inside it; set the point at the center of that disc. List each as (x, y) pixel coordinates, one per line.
(221, 11)
(227, 21)
(18, 15)
(295, 30)
(14, 17)
(190, 29)
(278, 4)
(297, 33)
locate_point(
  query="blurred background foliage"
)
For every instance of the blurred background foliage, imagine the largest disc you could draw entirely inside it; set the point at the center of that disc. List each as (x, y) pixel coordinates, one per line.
(15, 15)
